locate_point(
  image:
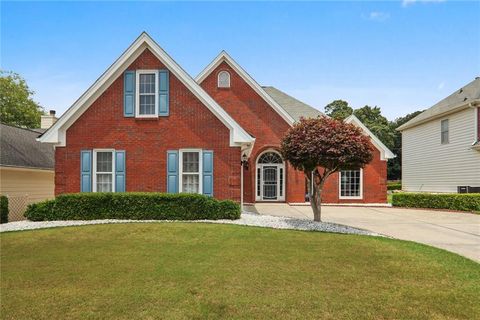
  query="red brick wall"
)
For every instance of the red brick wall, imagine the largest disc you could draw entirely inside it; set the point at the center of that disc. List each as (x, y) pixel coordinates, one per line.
(261, 121)
(374, 184)
(190, 125)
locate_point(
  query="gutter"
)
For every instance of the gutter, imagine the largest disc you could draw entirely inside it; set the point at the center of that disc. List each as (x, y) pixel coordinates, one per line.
(472, 104)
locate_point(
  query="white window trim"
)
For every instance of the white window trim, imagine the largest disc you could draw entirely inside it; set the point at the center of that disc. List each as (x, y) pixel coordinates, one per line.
(229, 79)
(137, 93)
(200, 169)
(340, 186)
(279, 166)
(94, 171)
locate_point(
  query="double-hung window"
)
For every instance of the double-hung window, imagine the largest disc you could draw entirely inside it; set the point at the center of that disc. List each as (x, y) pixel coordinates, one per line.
(147, 93)
(351, 184)
(444, 132)
(103, 171)
(190, 171)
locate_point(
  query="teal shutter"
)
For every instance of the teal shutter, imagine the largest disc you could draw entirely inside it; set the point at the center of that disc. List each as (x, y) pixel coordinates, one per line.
(119, 171)
(172, 171)
(163, 88)
(129, 94)
(85, 171)
(207, 173)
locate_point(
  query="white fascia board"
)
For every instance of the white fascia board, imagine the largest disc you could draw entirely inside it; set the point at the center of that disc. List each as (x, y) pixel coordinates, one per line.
(56, 134)
(224, 56)
(448, 110)
(385, 153)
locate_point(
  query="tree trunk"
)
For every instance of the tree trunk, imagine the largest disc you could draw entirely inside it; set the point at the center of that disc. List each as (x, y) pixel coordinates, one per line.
(316, 200)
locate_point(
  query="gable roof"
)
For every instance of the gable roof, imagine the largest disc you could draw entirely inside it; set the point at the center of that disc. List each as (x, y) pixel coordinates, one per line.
(385, 153)
(462, 98)
(57, 133)
(19, 148)
(295, 108)
(225, 57)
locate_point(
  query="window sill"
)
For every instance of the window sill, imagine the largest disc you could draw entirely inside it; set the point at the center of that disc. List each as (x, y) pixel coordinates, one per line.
(155, 118)
(350, 198)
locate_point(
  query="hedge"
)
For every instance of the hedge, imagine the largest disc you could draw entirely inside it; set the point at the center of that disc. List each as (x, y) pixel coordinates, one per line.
(135, 206)
(3, 209)
(394, 186)
(450, 201)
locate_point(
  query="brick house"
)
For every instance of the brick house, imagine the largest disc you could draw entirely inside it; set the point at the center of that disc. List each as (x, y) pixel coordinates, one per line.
(146, 125)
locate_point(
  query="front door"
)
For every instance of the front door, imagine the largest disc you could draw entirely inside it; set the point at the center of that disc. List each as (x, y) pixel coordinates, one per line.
(270, 182)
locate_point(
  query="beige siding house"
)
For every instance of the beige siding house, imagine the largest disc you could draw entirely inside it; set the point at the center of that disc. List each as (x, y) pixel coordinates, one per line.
(440, 147)
(26, 168)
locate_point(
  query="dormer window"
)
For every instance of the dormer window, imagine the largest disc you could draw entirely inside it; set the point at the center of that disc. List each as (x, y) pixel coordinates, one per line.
(224, 79)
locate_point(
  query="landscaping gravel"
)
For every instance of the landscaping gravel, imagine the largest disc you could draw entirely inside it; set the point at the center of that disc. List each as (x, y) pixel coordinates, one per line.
(246, 219)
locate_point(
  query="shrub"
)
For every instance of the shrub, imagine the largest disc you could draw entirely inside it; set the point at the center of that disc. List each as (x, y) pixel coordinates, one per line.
(450, 201)
(137, 206)
(391, 186)
(3, 209)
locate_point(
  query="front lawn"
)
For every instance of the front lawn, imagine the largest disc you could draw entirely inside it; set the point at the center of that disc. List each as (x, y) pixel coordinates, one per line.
(197, 271)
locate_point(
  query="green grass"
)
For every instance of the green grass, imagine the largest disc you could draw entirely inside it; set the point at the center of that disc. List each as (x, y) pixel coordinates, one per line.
(206, 271)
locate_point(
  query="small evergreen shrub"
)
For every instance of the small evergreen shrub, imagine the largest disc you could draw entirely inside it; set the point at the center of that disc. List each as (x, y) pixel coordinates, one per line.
(391, 186)
(450, 201)
(3, 209)
(133, 205)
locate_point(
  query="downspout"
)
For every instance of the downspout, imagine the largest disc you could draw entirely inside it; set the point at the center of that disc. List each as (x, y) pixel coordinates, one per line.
(241, 186)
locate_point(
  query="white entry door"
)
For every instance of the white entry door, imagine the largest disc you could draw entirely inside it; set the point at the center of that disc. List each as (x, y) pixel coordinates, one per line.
(270, 182)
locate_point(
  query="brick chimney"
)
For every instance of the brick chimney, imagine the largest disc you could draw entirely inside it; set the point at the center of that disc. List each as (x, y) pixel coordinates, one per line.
(48, 120)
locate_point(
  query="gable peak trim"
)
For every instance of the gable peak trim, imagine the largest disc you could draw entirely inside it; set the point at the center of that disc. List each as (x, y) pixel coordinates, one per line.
(57, 133)
(223, 56)
(385, 153)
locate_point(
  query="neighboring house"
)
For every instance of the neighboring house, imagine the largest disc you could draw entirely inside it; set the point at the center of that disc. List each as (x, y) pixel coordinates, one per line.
(26, 168)
(441, 146)
(146, 125)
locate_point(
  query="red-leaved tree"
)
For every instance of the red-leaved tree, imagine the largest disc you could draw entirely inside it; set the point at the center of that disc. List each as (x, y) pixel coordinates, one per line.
(322, 146)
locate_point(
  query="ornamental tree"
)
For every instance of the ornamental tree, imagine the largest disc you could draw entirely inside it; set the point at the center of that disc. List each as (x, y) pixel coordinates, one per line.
(322, 146)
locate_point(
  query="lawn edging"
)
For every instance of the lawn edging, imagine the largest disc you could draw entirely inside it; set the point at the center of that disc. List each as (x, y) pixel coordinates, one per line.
(449, 201)
(134, 206)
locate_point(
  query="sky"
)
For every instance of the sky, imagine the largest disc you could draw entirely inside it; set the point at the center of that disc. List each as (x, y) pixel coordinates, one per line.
(399, 55)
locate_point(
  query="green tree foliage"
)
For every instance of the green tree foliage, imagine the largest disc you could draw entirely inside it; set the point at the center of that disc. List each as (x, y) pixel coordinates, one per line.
(322, 146)
(338, 109)
(16, 104)
(373, 119)
(380, 126)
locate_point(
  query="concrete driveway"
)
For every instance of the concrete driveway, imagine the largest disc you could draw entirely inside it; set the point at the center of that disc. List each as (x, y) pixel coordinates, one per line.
(452, 231)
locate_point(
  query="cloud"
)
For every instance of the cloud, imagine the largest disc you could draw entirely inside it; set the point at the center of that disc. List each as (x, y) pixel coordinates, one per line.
(378, 16)
(406, 3)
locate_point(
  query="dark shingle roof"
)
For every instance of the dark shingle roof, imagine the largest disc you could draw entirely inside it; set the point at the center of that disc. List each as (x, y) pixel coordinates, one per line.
(18, 148)
(462, 96)
(295, 108)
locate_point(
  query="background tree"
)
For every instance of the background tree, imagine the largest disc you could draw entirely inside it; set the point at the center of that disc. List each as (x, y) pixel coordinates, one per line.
(395, 164)
(319, 147)
(338, 109)
(16, 104)
(373, 119)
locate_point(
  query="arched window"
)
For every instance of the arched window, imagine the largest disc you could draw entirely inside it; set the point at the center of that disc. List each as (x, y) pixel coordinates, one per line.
(270, 157)
(224, 79)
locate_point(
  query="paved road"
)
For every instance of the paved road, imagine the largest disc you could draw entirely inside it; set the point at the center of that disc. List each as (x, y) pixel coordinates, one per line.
(456, 232)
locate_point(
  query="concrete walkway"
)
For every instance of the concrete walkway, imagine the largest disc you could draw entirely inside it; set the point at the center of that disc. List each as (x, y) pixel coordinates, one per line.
(452, 231)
